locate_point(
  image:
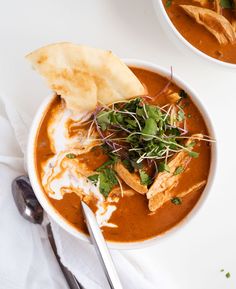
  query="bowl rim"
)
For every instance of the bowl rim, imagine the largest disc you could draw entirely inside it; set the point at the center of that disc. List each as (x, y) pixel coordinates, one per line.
(69, 228)
(185, 41)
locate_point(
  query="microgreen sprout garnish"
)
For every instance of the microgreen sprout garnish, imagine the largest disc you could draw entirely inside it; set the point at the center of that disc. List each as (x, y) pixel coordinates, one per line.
(140, 134)
(139, 131)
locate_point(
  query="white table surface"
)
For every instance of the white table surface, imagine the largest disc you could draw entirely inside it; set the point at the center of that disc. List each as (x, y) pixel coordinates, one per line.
(193, 257)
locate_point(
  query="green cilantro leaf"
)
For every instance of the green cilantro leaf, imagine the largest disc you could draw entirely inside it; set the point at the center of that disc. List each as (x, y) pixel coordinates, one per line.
(176, 201)
(145, 178)
(107, 180)
(94, 178)
(103, 119)
(168, 3)
(153, 112)
(150, 128)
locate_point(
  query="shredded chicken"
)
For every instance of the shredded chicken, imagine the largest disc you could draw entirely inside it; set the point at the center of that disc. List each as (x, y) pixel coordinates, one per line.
(156, 202)
(165, 181)
(216, 24)
(131, 179)
(194, 188)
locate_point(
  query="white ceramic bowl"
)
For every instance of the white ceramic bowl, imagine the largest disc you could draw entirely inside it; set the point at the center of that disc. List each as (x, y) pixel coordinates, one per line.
(167, 23)
(66, 225)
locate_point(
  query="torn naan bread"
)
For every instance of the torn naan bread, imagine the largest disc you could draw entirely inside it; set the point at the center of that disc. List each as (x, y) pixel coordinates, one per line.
(85, 76)
(216, 24)
(166, 181)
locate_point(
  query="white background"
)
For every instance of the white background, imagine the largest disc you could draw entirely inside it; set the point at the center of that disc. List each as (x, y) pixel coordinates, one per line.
(193, 257)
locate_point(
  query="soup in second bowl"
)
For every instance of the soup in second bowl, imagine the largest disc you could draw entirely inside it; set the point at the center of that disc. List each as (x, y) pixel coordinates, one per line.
(209, 25)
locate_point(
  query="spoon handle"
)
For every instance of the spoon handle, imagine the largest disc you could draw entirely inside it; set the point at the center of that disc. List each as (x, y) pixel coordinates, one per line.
(101, 248)
(70, 278)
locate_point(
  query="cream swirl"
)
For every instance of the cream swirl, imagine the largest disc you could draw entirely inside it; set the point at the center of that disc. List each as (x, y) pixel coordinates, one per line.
(61, 175)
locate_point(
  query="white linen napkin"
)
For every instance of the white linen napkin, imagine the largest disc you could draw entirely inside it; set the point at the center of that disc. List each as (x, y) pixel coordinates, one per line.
(32, 246)
(26, 259)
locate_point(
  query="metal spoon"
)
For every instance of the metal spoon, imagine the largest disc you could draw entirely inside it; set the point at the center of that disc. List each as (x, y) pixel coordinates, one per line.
(101, 248)
(30, 208)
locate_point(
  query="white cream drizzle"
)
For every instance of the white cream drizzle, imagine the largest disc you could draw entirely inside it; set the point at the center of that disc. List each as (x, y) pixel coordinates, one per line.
(59, 173)
(58, 130)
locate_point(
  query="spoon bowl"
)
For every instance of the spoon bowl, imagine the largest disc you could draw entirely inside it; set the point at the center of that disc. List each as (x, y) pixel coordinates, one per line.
(26, 201)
